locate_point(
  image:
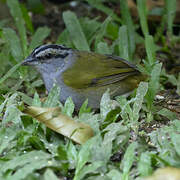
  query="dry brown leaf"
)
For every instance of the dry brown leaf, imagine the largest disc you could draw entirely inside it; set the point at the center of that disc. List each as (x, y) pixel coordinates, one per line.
(55, 120)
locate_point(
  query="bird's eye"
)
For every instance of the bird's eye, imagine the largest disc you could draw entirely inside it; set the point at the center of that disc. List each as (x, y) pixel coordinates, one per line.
(48, 55)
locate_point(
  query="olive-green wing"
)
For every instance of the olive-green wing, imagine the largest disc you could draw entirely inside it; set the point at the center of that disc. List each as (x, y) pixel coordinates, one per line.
(92, 69)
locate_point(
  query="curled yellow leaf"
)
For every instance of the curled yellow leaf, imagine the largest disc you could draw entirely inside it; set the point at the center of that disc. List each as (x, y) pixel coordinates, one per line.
(55, 120)
(167, 173)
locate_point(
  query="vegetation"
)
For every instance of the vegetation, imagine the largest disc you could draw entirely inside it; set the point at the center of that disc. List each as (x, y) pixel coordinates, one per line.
(130, 141)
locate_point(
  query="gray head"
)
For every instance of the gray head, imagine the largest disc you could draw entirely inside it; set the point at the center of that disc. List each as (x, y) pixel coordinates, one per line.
(50, 61)
(50, 56)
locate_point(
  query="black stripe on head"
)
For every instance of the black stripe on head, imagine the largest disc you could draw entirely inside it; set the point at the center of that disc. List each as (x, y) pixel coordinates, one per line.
(53, 46)
(50, 51)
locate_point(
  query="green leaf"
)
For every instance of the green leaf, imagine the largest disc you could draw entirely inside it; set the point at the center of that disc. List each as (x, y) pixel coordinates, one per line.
(84, 156)
(126, 111)
(64, 38)
(128, 160)
(30, 168)
(84, 108)
(12, 115)
(101, 32)
(98, 4)
(74, 28)
(72, 154)
(111, 117)
(68, 107)
(167, 113)
(171, 78)
(28, 100)
(106, 104)
(36, 143)
(53, 97)
(142, 11)
(150, 49)
(141, 92)
(36, 6)
(91, 168)
(127, 20)
(6, 137)
(35, 162)
(2, 106)
(153, 84)
(176, 142)
(49, 174)
(16, 13)
(112, 131)
(144, 164)
(90, 27)
(103, 48)
(166, 142)
(171, 13)
(27, 18)
(114, 174)
(36, 100)
(23, 159)
(14, 43)
(38, 37)
(123, 43)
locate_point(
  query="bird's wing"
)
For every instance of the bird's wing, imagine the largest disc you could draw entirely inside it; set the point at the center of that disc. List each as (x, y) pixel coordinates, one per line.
(92, 69)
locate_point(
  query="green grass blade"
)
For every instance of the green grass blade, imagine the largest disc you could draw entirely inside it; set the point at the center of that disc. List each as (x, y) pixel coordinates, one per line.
(150, 49)
(37, 39)
(176, 142)
(53, 97)
(6, 136)
(14, 43)
(141, 92)
(30, 168)
(36, 100)
(144, 164)
(68, 107)
(114, 174)
(19, 21)
(28, 100)
(101, 32)
(84, 108)
(27, 18)
(170, 12)
(24, 159)
(74, 28)
(49, 174)
(98, 5)
(27, 163)
(127, 20)
(142, 11)
(83, 156)
(126, 109)
(153, 84)
(65, 39)
(123, 42)
(12, 114)
(10, 72)
(105, 104)
(128, 160)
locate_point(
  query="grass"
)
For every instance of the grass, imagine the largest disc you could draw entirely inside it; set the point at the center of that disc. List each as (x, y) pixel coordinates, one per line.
(124, 145)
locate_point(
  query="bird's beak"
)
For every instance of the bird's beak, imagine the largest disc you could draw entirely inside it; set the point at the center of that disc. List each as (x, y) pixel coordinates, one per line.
(29, 61)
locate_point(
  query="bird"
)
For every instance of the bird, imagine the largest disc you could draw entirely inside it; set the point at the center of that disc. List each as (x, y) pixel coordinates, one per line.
(83, 75)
